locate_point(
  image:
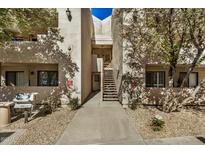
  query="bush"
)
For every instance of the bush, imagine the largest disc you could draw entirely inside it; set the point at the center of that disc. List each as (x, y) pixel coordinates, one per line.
(157, 123)
(133, 104)
(74, 103)
(136, 101)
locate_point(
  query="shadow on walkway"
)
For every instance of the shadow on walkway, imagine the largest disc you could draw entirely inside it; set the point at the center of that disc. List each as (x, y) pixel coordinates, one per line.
(100, 122)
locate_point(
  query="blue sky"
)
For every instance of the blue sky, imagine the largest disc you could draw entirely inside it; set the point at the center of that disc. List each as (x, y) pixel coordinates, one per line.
(101, 13)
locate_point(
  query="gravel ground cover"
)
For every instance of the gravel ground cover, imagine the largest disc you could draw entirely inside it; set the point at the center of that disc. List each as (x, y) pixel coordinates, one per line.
(43, 129)
(185, 123)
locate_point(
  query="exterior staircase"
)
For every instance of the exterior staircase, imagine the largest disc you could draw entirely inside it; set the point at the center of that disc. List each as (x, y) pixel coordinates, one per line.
(109, 87)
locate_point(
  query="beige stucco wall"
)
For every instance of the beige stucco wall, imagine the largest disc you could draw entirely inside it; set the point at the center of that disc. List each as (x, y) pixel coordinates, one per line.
(86, 50)
(180, 68)
(32, 56)
(71, 31)
(77, 35)
(117, 52)
(27, 68)
(102, 31)
(77, 38)
(9, 93)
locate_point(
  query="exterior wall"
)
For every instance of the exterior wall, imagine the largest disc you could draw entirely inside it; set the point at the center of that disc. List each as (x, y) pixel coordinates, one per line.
(199, 69)
(40, 53)
(71, 31)
(86, 57)
(27, 68)
(102, 31)
(77, 35)
(181, 68)
(117, 52)
(9, 93)
(29, 54)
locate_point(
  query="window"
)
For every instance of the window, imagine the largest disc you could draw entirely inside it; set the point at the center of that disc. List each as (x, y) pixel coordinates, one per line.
(97, 78)
(14, 78)
(47, 78)
(155, 79)
(192, 80)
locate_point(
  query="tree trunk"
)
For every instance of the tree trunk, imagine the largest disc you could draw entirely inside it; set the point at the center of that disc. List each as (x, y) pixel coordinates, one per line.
(187, 76)
(191, 68)
(172, 71)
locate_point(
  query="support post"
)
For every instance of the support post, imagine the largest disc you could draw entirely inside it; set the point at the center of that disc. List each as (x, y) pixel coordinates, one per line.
(102, 78)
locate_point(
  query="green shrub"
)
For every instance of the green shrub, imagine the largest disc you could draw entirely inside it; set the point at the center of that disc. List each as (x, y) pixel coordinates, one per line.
(74, 103)
(157, 123)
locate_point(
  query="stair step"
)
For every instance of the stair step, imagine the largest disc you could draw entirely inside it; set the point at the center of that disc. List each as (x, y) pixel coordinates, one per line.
(109, 87)
(110, 93)
(110, 99)
(110, 96)
(109, 90)
(109, 84)
(112, 81)
(109, 81)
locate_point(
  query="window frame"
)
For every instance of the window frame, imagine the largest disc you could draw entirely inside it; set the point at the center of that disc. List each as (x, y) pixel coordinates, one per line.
(164, 73)
(197, 79)
(6, 77)
(38, 78)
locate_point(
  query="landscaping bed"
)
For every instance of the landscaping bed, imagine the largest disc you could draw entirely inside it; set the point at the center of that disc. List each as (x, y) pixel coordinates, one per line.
(188, 122)
(45, 129)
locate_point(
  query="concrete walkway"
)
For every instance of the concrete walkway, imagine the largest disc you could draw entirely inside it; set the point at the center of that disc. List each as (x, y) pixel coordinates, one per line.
(99, 122)
(185, 140)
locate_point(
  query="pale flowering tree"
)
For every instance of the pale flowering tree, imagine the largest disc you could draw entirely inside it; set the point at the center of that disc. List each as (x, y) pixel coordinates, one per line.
(138, 43)
(160, 36)
(195, 19)
(25, 21)
(52, 48)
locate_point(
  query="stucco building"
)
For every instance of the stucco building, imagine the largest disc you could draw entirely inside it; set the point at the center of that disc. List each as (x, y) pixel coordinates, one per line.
(33, 66)
(96, 48)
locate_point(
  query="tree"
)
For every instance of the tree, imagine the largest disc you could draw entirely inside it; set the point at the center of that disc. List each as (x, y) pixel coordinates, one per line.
(25, 22)
(170, 27)
(195, 19)
(138, 43)
(167, 36)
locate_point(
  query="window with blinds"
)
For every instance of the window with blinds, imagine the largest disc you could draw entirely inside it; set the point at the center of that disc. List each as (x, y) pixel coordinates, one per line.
(155, 79)
(14, 78)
